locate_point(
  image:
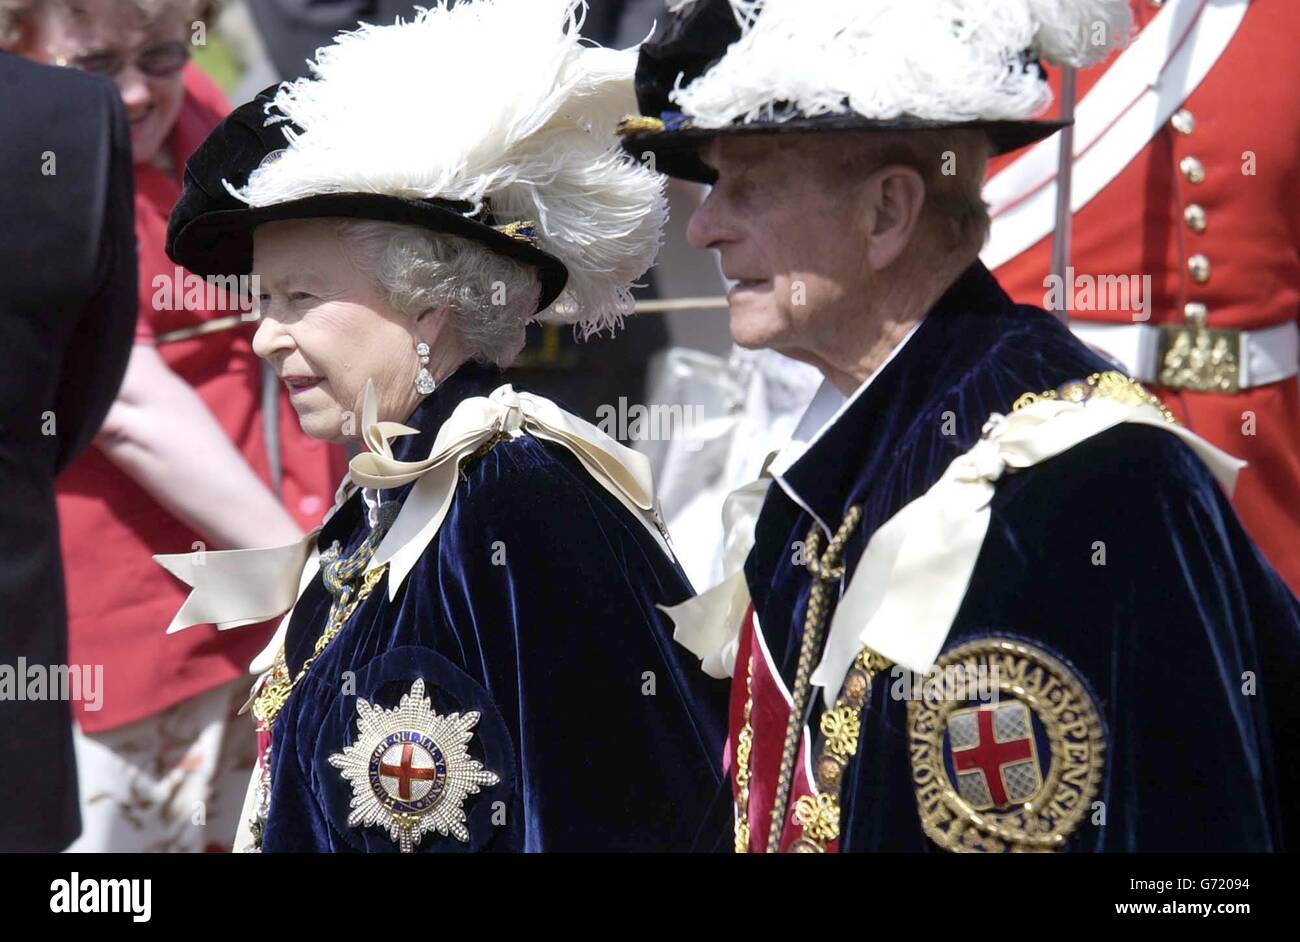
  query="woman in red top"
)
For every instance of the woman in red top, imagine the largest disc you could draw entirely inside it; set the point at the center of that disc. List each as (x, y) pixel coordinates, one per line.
(181, 461)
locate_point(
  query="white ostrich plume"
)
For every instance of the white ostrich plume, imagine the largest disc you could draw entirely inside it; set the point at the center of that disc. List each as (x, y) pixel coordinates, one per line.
(495, 100)
(939, 60)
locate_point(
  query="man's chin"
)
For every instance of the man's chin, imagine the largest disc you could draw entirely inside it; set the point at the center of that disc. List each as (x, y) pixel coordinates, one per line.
(754, 328)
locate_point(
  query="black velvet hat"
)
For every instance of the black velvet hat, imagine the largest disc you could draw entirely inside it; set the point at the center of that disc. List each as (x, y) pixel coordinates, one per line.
(696, 36)
(210, 231)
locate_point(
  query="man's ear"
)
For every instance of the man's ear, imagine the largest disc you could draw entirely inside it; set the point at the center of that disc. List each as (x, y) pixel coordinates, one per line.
(895, 195)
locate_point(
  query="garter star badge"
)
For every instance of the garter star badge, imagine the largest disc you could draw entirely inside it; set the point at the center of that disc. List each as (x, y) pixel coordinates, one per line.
(410, 769)
(1011, 766)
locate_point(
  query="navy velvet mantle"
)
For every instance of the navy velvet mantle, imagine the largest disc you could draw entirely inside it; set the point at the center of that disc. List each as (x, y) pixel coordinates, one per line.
(1163, 633)
(604, 733)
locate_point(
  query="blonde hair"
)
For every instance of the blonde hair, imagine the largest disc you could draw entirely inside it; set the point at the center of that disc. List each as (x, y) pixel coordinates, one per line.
(12, 15)
(15, 13)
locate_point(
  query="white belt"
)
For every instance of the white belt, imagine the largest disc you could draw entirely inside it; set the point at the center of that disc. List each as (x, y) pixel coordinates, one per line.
(1206, 359)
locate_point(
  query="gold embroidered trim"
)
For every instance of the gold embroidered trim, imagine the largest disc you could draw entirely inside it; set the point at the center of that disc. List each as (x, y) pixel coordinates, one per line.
(1110, 385)
(638, 124)
(1059, 700)
(521, 231)
(744, 746)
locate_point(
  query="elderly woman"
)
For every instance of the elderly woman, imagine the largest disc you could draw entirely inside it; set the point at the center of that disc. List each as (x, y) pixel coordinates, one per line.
(181, 460)
(474, 659)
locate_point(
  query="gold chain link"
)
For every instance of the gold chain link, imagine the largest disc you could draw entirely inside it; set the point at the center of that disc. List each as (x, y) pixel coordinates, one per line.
(275, 692)
(826, 569)
(744, 747)
(840, 727)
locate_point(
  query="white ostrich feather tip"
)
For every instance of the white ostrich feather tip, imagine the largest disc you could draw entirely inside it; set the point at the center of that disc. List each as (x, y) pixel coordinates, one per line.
(939, 60)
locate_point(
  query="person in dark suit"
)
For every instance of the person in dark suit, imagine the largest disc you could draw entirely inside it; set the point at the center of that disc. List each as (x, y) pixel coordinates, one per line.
(67, 318)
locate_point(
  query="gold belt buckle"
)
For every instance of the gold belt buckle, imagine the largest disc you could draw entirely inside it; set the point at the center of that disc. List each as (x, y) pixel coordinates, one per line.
(1199, 359)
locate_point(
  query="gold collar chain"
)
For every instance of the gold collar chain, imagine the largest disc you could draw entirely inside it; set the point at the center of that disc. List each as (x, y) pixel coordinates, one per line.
(340, 577)
(819, 815)
(827, 570)
(275, 692)
(841, 726)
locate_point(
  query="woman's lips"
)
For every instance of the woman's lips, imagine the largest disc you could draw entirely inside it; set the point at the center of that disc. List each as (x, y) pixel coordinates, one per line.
(300, 384)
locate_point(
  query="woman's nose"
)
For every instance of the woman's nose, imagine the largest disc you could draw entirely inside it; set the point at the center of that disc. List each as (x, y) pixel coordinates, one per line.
(270, 337)
(135, 91)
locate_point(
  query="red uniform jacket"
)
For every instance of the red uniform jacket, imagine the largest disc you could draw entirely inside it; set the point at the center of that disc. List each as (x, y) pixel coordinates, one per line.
(119, 601)
(1158, 214)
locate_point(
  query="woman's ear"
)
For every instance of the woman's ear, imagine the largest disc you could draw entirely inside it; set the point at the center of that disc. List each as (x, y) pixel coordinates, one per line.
(430, 323)
(895, 195)
(434, 326)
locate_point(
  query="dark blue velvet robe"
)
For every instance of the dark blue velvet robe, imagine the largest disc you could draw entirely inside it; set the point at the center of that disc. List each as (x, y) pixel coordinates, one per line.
(1162, 633)
(602, 730)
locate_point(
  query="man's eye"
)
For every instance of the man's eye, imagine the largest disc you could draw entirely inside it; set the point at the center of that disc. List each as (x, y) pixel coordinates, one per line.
(300, 296)
(740, 190)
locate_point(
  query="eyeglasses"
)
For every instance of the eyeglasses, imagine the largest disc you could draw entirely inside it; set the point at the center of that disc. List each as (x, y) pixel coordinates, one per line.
(160, 61)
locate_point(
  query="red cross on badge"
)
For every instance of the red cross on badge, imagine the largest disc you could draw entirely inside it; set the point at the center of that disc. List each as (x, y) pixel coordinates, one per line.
(994, 755)
(406, 773)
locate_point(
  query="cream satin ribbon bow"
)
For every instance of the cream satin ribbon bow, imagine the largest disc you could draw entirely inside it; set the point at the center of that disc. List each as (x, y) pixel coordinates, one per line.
(910, 582)
(708, 625)
(241, 587)
(621, 471)
(233, 588)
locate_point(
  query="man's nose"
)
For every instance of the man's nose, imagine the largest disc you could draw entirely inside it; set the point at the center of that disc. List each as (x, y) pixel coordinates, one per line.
(706, 228)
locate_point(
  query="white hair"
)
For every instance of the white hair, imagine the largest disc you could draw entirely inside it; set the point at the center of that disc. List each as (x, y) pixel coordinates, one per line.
(491, 297)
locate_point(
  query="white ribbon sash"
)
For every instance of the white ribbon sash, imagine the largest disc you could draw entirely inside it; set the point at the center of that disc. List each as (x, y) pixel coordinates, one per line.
(910, 582)
(907, 587)
(709, 624)
(241, 587)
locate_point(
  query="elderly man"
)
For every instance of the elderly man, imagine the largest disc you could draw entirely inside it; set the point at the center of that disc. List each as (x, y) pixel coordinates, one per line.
(992, 597)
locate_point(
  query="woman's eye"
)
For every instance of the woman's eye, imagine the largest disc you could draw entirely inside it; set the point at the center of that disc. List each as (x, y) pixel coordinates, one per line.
(300, 296)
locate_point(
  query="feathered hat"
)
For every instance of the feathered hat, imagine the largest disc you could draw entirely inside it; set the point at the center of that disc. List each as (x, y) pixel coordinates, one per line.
(489, 120)
(788, 66)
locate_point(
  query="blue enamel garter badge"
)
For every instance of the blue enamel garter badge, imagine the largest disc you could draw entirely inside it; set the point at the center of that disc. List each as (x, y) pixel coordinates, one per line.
(1011, 763)
(410, 769)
